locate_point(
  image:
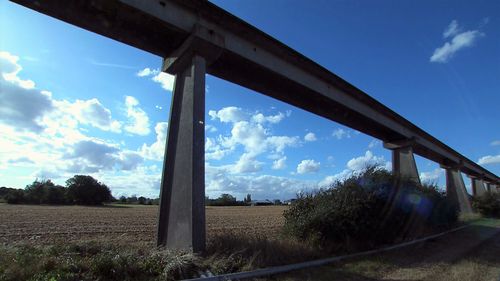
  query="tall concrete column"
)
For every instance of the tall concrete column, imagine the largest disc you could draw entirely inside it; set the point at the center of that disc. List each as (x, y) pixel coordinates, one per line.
(403, 161)
(455, 189)
(182, 195)
(181, 222)
(478, 187)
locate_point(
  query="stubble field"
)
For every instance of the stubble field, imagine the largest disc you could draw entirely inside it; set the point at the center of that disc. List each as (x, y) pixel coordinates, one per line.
(35, 224)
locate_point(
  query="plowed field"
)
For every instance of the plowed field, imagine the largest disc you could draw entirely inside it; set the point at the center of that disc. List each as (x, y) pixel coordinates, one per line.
(124, 224)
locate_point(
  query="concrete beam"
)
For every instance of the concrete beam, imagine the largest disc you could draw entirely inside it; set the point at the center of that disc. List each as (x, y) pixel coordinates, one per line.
(403, 161)
(181, 222)
(478, 187)
(456, 191)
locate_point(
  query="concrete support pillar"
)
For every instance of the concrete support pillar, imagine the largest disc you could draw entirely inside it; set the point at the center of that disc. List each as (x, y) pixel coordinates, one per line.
(181, 222)
(487, 186)
(182, 195)
(455, 189)
(478, 187)
(403, 161)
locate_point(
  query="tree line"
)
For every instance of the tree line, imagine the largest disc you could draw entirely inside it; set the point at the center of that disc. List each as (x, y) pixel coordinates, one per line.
(85, 190)
(80, 190)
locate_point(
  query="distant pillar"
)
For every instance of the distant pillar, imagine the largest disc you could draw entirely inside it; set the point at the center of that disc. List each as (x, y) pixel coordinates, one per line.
(455, 189)
(494, 188)
(181, 223)
(487, 186)
(403, 161)
(478, 187)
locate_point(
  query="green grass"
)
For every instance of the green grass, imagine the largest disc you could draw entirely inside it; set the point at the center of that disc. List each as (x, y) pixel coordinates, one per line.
(92, 261)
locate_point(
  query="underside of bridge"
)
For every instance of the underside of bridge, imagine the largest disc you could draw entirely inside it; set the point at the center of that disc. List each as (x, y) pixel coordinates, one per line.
(196, 37)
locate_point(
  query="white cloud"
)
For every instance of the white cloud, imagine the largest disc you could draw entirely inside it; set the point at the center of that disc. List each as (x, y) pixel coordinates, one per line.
(21, 105)
(214, 151)
(431, 176)
(341, 133)
(310, 137)
(495, 142)
(18, 160)
(458, 41)
(145, 181)
(156, 151)
(146, 72)
(138, 119)
(279, 164)
(489, 159)
(219, 180)
(158, 107)
(251, 133)
(451, 30)
(229, 114)
(210, 128)
(247, 164)
(308, 166)
(355, 166)
(329, 180)
(374, 143)
(90, 112)
(94, 155)
(10, 69)
(273, 119)
(359, 163)
(164, 79)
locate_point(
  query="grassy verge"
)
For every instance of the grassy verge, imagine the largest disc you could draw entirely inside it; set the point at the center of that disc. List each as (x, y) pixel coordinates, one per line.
(470, 254)
(92, 261)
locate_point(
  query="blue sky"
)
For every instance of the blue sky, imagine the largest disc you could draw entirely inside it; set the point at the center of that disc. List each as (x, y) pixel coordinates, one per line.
(73, 102)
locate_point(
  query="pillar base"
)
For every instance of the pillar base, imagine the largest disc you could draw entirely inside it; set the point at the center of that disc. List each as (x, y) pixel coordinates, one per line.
(455, 190)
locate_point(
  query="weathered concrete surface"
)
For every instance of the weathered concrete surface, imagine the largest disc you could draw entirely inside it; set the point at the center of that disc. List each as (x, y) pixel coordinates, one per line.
(403, 161)
(254, 60)
(182, 197)
(478, 187)
(456, 191)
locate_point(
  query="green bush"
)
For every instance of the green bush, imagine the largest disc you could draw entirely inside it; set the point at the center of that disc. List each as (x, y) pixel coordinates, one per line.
(366, 210)
(488, 204)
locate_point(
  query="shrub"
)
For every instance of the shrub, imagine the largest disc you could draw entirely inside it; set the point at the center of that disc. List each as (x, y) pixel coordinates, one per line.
(488, 204)
(366, 210)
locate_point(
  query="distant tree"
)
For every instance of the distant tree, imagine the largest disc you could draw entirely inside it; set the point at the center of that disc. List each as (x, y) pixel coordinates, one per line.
(227, 199)
(55, 194)
(15, 196)
(36, 192)
(132, 199)
(248, 198)
(141, 200)
(45, 192)
(277, 202)
(123, 199)
(86, 190)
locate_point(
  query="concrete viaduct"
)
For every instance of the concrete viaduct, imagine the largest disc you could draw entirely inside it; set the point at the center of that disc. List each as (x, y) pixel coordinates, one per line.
(196, 37)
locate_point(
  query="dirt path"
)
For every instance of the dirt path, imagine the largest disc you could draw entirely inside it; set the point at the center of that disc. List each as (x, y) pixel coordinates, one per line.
(470, 254)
